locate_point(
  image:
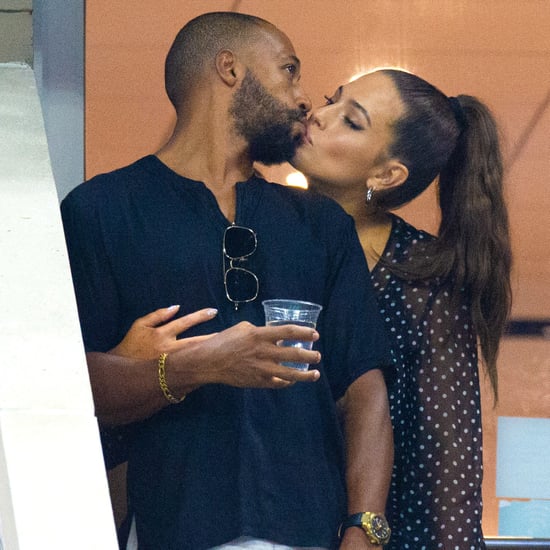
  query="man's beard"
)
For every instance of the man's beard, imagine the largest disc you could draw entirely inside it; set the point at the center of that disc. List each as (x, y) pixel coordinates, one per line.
(265, 122)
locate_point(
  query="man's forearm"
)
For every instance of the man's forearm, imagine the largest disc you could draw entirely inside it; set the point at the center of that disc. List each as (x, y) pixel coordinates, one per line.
(369, 447)
(246, 356)
(124, 389)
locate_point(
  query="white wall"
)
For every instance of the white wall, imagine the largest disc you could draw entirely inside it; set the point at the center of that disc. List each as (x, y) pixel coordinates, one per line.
(53, 489)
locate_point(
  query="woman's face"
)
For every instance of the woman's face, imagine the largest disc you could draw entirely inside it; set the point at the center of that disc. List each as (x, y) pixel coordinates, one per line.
(347, 138)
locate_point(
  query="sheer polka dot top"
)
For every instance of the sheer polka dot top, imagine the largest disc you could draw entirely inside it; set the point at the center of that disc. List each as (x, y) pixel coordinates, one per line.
(435, 497)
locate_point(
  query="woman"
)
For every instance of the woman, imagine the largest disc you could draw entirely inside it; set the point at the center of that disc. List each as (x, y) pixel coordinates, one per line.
(376, 145)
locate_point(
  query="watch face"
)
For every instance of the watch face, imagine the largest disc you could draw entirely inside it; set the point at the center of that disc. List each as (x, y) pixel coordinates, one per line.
(380, 527)
(377, 528)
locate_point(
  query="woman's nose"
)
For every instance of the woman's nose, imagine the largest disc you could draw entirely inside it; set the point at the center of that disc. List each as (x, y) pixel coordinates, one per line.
(317, 117)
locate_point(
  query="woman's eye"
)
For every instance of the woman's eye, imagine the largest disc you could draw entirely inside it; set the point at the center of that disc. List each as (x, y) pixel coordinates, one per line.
(352, 124)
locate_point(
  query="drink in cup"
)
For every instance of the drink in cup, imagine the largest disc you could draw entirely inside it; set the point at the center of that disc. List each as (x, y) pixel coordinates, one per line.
(292, 312)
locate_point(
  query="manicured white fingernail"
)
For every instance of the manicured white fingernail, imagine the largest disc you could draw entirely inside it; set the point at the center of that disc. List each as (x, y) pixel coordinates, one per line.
(173, 307)
(211, 312)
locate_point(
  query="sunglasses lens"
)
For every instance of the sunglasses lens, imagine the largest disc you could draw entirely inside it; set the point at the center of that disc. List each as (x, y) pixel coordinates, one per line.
(239, 242)
(241, 285)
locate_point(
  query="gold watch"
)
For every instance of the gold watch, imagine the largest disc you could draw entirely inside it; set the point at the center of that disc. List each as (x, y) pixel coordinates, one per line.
(375, 526)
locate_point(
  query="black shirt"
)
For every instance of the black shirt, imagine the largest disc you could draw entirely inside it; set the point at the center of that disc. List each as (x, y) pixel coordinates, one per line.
(227, 462)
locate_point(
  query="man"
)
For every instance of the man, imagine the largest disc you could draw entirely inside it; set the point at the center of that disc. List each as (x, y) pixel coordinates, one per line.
(249, 455)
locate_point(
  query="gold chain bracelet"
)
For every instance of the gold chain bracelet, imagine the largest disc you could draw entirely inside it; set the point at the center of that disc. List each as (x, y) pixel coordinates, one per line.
(162, 381)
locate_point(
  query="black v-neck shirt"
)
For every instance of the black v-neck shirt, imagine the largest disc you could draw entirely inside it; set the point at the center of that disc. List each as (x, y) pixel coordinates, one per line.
(227, 462)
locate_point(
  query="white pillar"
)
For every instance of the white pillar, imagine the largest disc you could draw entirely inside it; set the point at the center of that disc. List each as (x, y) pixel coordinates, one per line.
(53, 489)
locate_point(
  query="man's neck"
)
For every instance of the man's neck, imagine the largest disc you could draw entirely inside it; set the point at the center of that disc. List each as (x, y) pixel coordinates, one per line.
(216, 158)
(214, 168)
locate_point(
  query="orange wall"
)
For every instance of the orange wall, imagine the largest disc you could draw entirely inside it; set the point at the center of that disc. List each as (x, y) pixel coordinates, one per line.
(497, 49)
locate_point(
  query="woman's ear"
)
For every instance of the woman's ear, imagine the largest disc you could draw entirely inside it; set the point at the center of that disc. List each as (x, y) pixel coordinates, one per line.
(226, 64)
(390, 174)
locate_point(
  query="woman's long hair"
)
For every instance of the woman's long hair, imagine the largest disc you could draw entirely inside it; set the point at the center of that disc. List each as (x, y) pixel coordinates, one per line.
(457, 140)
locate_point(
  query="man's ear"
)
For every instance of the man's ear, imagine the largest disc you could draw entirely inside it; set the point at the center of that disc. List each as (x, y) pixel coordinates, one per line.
(387, 175)
(226, 64)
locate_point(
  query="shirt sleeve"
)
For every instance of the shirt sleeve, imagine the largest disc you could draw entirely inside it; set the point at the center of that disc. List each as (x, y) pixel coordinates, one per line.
(358, 339)
(439, 453)
(96, 297)
(95, 289)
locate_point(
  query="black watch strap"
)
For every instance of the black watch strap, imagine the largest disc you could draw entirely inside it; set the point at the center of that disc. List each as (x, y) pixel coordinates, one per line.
(355, 520)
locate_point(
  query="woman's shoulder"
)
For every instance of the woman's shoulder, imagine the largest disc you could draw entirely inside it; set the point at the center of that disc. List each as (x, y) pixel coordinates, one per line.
(404, 232)
(404, 240)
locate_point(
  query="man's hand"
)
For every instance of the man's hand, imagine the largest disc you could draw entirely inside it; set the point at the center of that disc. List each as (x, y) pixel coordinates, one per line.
(355, 539)
(126, 387)
(248, 356)
(242, 356)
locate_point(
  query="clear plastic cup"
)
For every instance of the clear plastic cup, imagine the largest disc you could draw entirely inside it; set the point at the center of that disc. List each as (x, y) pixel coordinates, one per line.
(292, 312)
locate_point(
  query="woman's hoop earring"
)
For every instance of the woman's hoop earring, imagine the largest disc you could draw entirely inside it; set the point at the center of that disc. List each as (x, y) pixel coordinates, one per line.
(370, 193)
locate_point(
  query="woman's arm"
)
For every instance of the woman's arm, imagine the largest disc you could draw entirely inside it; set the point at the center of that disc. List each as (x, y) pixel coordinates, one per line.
(154, 333)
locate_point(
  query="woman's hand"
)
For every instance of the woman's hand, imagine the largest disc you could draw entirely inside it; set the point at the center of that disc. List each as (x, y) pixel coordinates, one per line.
(152, 334)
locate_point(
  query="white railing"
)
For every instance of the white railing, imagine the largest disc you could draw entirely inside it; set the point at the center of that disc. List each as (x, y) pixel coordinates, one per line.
(53, 488)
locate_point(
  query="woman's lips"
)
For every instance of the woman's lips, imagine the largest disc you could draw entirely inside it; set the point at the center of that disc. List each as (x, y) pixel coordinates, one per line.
(306, 137)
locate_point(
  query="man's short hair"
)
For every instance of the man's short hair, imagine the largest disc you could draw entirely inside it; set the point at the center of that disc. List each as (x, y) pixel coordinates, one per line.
(197, 44)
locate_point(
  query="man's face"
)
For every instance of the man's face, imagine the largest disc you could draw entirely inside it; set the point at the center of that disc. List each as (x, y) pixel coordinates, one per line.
(267, 124)
(269, 107)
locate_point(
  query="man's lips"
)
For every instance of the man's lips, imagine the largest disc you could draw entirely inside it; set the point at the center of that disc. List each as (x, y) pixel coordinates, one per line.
(307, 135)
(304, 133)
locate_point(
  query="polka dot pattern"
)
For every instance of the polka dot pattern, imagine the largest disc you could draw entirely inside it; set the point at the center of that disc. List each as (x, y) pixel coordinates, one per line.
(435, 496)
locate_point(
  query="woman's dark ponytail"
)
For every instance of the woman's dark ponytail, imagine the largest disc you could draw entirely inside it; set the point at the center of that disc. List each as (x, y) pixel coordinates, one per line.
(474, 227)
(456, 140)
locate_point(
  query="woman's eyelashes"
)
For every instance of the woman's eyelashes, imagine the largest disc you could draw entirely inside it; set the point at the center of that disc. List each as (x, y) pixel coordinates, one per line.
(348, 121)
(351, 124)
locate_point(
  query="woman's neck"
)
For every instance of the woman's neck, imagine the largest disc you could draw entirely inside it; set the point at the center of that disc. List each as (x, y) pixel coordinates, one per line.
(373, 226)
(373, 229)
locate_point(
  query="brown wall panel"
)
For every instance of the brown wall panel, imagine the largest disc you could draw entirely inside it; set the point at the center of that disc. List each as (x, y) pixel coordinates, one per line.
(498, 50)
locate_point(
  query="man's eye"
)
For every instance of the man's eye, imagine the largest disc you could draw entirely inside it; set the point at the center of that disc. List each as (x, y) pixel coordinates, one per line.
(291, 69)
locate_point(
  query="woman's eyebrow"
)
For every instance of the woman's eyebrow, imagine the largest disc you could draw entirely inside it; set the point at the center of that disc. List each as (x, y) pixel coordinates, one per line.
(362, 109)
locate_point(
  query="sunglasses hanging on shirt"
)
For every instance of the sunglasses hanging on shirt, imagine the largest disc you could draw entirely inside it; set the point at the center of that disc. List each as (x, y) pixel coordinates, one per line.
(241, 285)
